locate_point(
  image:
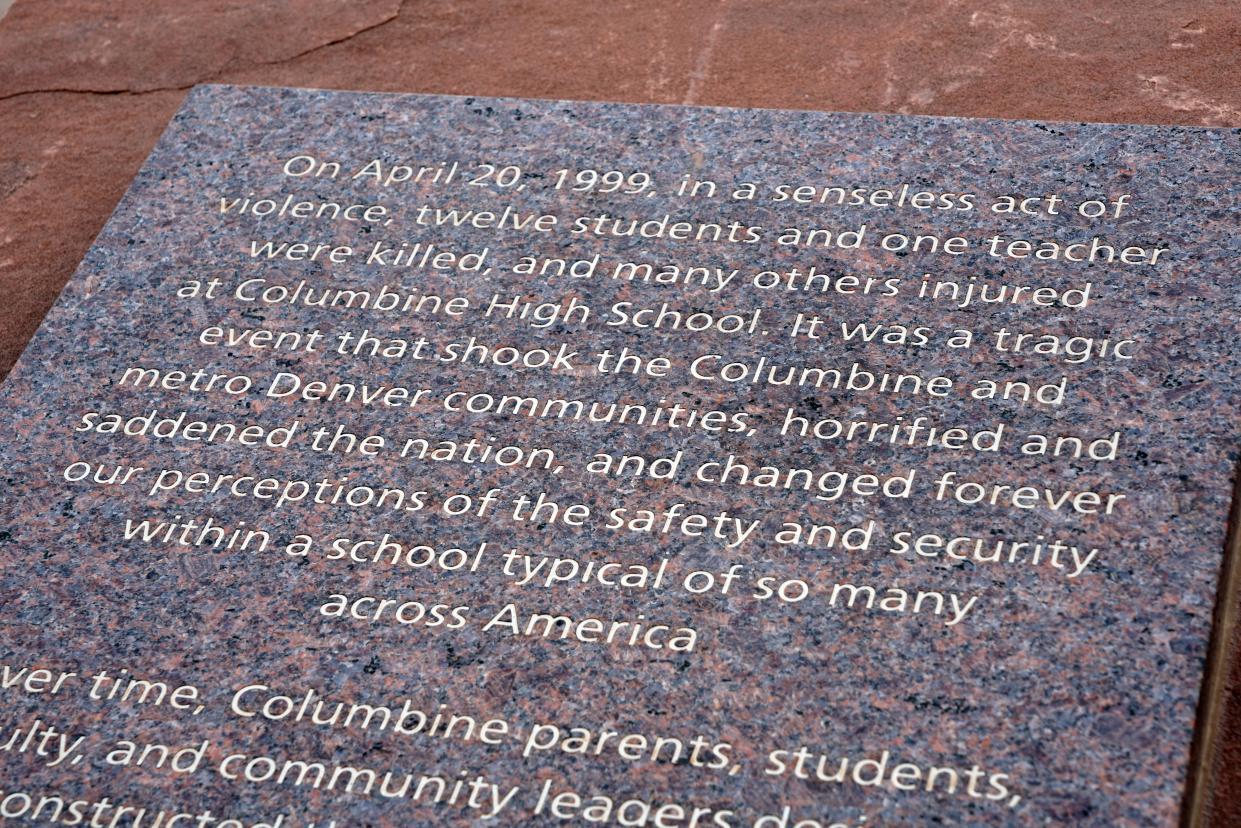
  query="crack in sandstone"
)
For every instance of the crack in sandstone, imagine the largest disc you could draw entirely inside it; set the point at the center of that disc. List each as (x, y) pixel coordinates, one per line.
(369, 28)
(214, 76)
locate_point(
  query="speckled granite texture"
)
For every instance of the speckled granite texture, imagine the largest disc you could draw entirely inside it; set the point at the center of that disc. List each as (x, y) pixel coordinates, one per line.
(87, 87)
(1083, 692)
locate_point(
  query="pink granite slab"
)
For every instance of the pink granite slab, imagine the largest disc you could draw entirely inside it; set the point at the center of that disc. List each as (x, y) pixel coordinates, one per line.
(1084, 693)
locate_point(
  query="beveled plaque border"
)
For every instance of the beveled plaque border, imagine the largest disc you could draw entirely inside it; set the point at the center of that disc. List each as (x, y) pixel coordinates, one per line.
(1204, 761)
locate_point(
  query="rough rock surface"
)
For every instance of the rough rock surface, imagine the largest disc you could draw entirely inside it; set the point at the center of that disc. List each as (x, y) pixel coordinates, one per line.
(86, 87)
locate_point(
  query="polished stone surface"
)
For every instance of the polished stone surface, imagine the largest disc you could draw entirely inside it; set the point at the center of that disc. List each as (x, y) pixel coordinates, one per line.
(1084, 692)
(86, 88)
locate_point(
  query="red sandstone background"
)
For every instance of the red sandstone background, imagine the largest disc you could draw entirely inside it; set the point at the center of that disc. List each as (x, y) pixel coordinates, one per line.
(86, 86)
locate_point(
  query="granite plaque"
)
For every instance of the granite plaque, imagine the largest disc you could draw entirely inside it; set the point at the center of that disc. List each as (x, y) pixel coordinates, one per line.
(418, 460)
